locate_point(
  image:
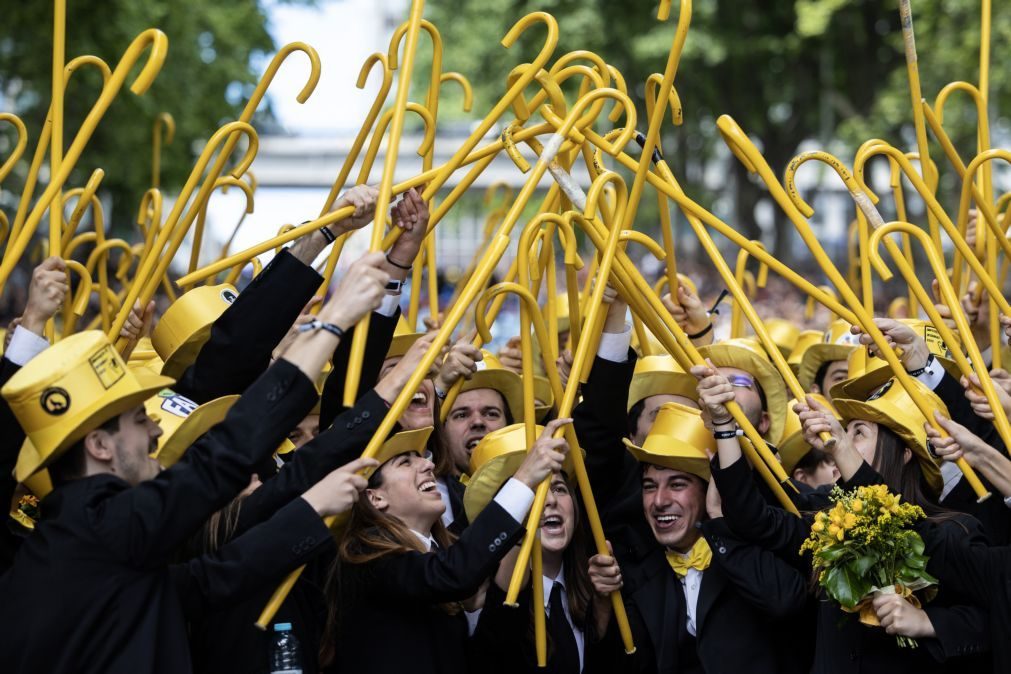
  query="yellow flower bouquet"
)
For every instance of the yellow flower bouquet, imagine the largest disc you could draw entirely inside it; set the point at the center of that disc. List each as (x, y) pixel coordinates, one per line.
(864, 546)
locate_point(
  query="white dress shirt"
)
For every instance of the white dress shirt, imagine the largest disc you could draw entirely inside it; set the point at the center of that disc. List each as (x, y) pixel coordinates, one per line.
(24, 346)
(614, 345)
(447, 515)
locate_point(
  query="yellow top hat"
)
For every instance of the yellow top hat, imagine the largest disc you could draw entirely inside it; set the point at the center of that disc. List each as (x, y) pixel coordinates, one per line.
(805, 340)
(784, 334)
(545, 396)
(68, 390)
(39, 483)
(182, 421)
(837, 343)
(145, 356)
(186, 326)
(494, 460)
(659, 375)
(403, 338)
(898, 308)
(401, 443)
(793, 447)
(866, 373)
(747, 354)
(889, 405)
(678, 440)
(492, 374)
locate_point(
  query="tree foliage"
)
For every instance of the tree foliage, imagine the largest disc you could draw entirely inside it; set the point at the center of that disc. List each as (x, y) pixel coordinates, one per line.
(787, 70)
(205, 81)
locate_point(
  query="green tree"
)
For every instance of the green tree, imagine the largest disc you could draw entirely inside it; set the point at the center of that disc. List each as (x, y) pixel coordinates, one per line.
(787, 70)
(206, 79)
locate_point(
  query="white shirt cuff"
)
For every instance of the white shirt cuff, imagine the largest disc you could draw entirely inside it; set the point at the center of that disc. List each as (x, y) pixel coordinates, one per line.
(516, 498)
(932, 376)
(1007, 501)
(24, 346)
(614, 345)
(389, 305)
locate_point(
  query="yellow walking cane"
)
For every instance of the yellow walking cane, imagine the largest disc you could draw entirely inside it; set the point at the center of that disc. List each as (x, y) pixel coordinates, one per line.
(528, 304)
(353, 152)
(961, 323)
(56, 144)
(163, 131)
(481, 275)
(159, 45)
(736, 316)
(171, 234)
(19, 146)
(221, 183)
(481, 158)
(913, 72)
(747, 153)
(28, 189)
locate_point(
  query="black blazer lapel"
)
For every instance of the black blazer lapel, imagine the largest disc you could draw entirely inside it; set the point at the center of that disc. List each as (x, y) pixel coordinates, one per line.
(661, 604)
(713, 582)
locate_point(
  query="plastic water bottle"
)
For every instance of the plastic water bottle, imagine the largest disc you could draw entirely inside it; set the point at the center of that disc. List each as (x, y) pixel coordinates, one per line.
(285, 654)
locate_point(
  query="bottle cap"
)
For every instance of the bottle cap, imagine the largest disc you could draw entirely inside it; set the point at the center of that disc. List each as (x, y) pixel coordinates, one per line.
(282, 627)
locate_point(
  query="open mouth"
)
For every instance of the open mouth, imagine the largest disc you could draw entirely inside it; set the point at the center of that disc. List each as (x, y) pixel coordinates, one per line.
(471, 442)
(553, 524)
(427, 486)
(420, 399)
(666, 521)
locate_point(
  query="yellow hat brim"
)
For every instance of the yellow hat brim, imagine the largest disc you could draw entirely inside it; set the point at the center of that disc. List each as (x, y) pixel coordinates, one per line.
(678, 455)
(488, 479)
(506, 382)
(817, 355)
(401, 343)
(646, 384)
(403, 442)
(742, 358)
(33, 457)
(915, 439)
(198, 422)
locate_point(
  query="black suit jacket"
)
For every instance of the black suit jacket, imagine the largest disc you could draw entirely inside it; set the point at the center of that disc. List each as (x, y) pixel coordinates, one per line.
(504, 640)
(992, 513)
(381, 329)
(245, 335)
(226, 639)
(842, 643)
(11, 439)
(983, 575)
(91, 590)
(392, 621)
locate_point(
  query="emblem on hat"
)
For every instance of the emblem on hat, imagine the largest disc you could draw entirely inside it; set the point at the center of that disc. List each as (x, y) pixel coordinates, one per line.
(55, 401)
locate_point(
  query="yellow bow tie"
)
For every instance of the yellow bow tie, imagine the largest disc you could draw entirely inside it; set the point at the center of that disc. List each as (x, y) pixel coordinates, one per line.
(698, 557)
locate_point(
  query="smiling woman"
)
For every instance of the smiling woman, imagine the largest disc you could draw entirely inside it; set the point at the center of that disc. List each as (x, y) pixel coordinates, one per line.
(400, 574)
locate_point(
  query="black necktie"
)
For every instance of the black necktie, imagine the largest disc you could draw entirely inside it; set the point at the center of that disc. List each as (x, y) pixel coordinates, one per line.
(565, 656)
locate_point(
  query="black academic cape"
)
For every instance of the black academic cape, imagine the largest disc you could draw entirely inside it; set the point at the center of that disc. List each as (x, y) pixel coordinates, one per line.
(91, 590)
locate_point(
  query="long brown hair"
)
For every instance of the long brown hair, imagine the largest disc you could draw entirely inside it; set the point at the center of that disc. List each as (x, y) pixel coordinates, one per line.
(904, 477)
(370, 535)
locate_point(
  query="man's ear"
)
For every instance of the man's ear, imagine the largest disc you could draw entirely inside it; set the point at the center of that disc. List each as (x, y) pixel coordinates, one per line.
(815, 389)
(764, 423)
(98, 445)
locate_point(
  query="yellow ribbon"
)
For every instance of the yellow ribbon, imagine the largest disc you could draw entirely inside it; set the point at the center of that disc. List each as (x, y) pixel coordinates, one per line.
(699, 557)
